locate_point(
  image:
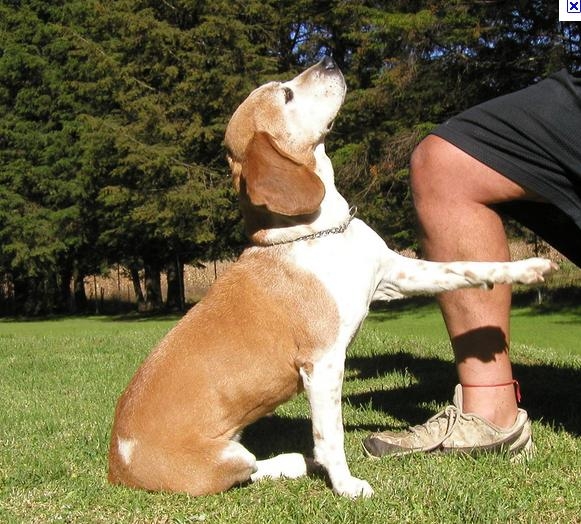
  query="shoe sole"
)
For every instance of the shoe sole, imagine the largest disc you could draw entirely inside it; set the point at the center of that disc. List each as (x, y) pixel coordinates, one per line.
(518, 452)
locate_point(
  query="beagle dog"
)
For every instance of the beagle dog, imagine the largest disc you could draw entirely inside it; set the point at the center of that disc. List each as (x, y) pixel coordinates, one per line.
(280, 319)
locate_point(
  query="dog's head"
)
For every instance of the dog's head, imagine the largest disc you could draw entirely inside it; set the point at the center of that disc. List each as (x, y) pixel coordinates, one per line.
(272, 138)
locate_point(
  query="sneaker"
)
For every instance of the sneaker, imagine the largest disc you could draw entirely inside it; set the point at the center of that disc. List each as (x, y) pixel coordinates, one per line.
(452, 430)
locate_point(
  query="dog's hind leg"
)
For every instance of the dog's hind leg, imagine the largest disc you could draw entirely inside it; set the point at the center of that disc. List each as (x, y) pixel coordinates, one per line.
(287, 465)
(204, 467)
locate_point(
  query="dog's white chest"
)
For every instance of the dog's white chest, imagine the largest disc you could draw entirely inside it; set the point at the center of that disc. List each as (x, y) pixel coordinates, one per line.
(348, 265)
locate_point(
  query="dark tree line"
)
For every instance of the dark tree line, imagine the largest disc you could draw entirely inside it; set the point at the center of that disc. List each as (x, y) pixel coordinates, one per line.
(112, 117)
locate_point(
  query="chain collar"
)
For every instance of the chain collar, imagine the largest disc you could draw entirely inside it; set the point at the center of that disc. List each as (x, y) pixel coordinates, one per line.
(331, 231)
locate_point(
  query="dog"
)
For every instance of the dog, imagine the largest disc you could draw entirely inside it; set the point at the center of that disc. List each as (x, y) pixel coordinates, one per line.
(279, 321)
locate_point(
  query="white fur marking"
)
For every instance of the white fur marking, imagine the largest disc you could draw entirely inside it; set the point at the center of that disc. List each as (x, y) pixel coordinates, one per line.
(287, 465)
(237, 452)
(126, 448)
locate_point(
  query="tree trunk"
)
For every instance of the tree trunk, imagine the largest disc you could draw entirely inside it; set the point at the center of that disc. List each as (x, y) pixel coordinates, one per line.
(6, 294)
(153, 300)
(175, 286)
(79, 297)
(30, 296)
(65, 298)
(136, 281)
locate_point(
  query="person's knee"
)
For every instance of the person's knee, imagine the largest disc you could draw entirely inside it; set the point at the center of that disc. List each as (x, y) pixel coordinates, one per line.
(426, 169)
(444, 175)
(421, 157)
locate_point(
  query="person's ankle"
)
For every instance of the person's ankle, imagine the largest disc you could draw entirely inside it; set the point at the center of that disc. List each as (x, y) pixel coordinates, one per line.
(495, 405)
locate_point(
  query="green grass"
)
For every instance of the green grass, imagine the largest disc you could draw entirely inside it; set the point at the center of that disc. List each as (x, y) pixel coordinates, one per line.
(59, 381)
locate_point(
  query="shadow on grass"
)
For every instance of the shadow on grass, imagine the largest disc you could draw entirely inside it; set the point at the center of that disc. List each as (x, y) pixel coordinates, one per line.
(273, 435)
(562, 300)
(125, 317)
(551, 394)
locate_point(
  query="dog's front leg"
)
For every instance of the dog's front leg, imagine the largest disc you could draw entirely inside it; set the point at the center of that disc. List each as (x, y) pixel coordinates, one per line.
(403, 277)
(323, 382)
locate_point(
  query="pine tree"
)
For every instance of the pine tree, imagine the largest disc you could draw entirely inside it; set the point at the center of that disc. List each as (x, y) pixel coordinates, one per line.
(113, 116)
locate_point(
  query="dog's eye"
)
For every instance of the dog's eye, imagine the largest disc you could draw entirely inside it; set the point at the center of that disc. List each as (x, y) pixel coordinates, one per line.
(288, 94)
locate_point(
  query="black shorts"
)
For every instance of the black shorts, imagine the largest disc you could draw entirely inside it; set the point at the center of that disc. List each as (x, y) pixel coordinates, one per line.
(533, 137)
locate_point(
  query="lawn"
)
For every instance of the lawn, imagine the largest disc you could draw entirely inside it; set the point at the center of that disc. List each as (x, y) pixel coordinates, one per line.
(60, 380)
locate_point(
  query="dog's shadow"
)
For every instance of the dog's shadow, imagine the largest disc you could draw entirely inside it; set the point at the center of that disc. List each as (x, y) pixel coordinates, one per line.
(551, 395)
(276, 434)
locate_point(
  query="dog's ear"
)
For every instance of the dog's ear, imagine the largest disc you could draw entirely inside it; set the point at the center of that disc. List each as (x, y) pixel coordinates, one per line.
(280, 183)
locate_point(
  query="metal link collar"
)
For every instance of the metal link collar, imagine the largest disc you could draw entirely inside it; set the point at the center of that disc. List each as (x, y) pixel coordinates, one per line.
(331, 231)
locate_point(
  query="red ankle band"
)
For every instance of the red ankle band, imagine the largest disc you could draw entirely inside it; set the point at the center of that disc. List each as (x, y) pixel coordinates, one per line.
(512, 382)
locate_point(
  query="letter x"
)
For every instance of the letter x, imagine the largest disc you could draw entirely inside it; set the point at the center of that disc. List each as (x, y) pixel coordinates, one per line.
(573, 6)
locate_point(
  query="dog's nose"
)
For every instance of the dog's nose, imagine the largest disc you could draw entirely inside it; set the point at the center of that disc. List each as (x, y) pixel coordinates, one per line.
(328, 63)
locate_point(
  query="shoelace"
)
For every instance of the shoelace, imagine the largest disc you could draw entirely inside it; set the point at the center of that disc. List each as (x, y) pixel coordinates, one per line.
(450, 413)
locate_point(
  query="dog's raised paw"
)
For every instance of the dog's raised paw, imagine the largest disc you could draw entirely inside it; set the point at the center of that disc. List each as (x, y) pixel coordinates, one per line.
(354, 488)
(535, 269)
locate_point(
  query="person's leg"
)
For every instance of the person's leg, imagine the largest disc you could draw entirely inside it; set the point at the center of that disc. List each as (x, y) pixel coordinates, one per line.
(452, 193)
